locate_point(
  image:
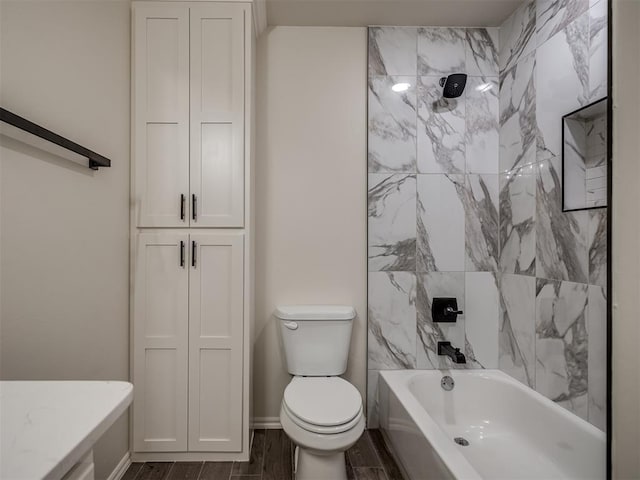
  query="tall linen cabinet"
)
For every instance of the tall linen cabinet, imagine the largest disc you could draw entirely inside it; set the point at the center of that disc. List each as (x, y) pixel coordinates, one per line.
(192, 224)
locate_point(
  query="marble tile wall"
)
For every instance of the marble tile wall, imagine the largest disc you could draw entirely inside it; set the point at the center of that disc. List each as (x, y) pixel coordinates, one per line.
(464, 201)
(552, 327)
(434, 198)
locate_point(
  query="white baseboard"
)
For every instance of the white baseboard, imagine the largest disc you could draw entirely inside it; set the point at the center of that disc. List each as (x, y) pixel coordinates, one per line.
(269, 423)
(143, 457)
(121, 468)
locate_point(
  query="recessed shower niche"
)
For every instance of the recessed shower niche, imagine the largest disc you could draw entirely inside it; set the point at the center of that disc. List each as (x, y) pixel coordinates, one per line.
(584, 157)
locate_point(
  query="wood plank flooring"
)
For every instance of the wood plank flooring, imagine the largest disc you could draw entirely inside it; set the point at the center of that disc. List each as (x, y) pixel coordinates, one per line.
(272, 459)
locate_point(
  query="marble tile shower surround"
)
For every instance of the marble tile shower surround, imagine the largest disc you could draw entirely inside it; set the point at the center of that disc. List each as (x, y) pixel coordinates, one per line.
(517, 36)
(536, 345)
(392, 320)
(517, 221)
(561, 237)
(464, 200)
(561, 343)
(518, 128)
(598, 50)
(552, 16)
(417, 131)
(552, 331)
(392, 222)
(433, 197)
(392, 125)
(560, 90)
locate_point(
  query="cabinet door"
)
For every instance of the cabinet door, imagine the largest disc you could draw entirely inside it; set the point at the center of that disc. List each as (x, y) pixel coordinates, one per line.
(161, 114)
(217, 114)
(216, 320)
(160, 317)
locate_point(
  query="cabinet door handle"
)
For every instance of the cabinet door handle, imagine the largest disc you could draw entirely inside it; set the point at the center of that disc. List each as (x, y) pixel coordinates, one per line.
(194, 205)
(193, 253)
(182, 253)
(182, 202)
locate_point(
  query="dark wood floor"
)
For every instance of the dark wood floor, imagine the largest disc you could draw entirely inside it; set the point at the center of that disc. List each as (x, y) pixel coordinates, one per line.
(271, 459)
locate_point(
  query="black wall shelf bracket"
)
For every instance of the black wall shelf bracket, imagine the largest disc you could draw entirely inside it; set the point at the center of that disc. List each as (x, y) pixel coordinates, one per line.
(95, 159)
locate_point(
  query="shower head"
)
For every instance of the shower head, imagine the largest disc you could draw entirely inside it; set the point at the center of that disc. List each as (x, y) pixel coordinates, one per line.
(453, 85)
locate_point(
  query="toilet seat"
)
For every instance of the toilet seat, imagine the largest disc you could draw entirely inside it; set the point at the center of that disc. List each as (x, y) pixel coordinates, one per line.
(310, 427)
(323, 405)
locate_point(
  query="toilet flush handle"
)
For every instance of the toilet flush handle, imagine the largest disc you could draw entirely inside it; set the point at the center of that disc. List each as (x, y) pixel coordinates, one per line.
(291, 325)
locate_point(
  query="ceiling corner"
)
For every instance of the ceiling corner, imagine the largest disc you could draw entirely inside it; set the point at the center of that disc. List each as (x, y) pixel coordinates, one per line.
(260, 16)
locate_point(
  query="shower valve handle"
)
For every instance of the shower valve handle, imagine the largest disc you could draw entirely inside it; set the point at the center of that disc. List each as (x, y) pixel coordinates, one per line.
(445, 309)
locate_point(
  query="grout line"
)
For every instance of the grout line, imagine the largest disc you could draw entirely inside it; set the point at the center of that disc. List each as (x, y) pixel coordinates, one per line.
(135, 477)
(386, 475)
(264, 453)
(375, 449)
(200, 471)
(168, 474)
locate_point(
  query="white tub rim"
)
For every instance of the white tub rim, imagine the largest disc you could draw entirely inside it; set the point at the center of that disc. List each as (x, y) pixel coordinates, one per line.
(457, 464)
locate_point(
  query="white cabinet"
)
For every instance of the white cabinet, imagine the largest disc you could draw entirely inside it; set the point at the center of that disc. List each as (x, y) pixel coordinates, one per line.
(191, 218)
(161, 114)
(215, 342)
(161, 318)
(189, 113)
(188, 329)
(217, 115)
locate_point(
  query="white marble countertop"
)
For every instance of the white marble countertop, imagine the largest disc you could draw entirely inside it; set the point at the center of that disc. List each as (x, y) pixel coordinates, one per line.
(46, 427)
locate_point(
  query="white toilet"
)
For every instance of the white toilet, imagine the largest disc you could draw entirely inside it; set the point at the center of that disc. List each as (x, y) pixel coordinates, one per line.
(321, 412)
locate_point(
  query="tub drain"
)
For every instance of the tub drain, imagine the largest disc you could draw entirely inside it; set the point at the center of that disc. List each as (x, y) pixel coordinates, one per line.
(461, 441)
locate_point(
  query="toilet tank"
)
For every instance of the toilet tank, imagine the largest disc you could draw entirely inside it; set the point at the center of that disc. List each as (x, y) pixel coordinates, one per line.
(316, 338)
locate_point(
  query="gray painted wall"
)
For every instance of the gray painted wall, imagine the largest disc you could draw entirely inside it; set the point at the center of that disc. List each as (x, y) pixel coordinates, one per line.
(65, 249)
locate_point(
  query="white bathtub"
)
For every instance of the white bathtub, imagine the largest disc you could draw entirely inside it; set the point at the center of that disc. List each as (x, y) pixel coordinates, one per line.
(513, 431)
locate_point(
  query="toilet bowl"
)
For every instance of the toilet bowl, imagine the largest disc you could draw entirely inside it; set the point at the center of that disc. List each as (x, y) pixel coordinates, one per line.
(323, 417)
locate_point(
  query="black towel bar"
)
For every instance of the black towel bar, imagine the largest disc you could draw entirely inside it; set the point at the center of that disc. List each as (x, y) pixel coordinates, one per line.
(95, 159)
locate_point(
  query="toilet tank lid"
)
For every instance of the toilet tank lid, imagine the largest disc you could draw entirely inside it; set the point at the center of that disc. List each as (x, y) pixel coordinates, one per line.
(315, 312)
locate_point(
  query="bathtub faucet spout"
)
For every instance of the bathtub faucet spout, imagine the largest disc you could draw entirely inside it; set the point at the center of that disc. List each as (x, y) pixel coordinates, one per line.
(456, 356)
